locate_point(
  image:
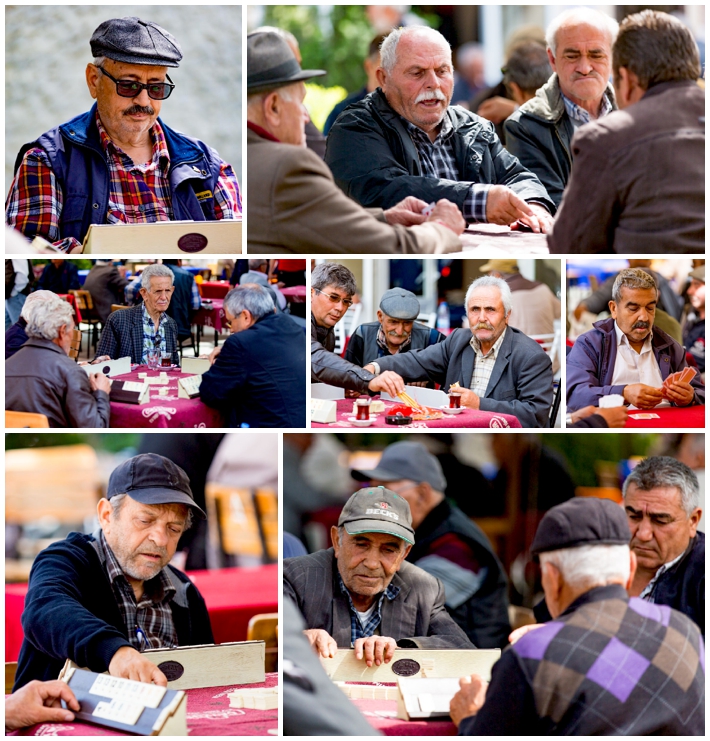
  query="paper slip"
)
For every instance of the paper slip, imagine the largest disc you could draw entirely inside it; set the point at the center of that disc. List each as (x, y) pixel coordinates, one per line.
(119, 710)
(147, 695)
(647, 415)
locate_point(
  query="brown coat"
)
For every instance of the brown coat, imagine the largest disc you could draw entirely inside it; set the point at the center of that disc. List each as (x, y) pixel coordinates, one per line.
(293, 205)
(638, 179)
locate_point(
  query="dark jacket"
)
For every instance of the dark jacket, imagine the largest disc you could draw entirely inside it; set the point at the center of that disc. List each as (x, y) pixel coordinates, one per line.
(444, 540)
(258, 377)
(123, 335)
(180, 307)
(327, 367)
(71, 612)
(79, 163)
(42, 379)
(15, 337)
(59, 280)
(416, 618)
(590, 365)
(375, 161)
(693, 338)
(638, 183)
(521, 382)
(106, 286)
(540, 135)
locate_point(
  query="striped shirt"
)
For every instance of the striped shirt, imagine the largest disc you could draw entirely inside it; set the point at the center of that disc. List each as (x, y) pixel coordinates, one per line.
(483, 367)
(357, 629)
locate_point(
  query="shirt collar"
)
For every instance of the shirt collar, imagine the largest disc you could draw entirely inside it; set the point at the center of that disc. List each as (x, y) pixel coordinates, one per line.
(446, 130)
(493, 352)
(148, 319)
(579, 115)
(622, 339)
(391, 593)
(648, 589)
(263, 133)
(160, 155)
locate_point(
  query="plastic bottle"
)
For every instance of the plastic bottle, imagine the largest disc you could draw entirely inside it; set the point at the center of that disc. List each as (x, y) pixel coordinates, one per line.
(443, 318)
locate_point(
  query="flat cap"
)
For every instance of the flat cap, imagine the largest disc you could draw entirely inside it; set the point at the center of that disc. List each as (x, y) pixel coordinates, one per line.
(405, 460)
(500, 266)
(377, 510)
(399, 303)
(698, 273)
(581, 521)
(134, 41)
(271, 63)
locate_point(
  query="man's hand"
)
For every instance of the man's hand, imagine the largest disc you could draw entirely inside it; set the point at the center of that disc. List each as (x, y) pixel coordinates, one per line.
(39, 702)
(614, 416)
(504, 207)
(213, 355)
(130, 664)
(469, 699)
(448, 213)
(681, 394)
(387, 381)
(642, 396)
(518, 633)
(496, 109)
(407, 212)
(540, 221)
(468, 398)
(100, 382)
(322, 642)
(101, 359)
(375, 649)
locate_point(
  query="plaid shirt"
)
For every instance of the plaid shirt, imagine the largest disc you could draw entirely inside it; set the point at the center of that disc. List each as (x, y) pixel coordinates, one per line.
(152, 337)
(357, 629)
(578, 116)
(149, 623)
(137, 193)
(483, 367)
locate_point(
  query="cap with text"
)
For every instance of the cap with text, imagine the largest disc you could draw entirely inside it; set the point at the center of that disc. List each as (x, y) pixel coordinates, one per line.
(377, 510)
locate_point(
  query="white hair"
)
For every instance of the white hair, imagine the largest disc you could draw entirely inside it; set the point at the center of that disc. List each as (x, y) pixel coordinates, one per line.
(32, 300)
(388, 48)
(587, 16)
(47, 317)
(156, 271)
(590, 566)
(499, 283)
(99, 61)
(664, 472)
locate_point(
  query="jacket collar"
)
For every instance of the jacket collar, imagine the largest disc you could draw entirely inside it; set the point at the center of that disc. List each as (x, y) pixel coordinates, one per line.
(501, 363)
(548, 105)
(659, 341)
(597, 594)
(44, 344)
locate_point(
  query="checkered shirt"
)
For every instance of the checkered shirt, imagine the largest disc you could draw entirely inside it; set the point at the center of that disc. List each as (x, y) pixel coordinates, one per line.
(357, 629)
(483, 367)
(438, 160)
(152, 337)
(578, 116)
(382, 342)
(137, 193)
(152, 615)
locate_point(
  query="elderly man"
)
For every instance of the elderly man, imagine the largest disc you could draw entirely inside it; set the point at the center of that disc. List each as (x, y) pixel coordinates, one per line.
(294, 205)
(41, 378)
(257, 377)
(540, 132)
(606, 664)
(332, 289)
(119, 163)
(626, 355)
(638, 184)
(497, 367)
(663, 506)
(106, 285)
(449, 546)
(102, 599)
(404, 139)
(146, 328)
(16, 335)
(394, 331)
(694, 330)
(362, 594)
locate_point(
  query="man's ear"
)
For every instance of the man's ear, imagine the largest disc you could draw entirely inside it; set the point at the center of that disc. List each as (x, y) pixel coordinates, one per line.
(335, 539)
(272, 108)
(381, 77)
(551, 57)
(104, 510)
(612, 309)
(92, 79)
(694, 520)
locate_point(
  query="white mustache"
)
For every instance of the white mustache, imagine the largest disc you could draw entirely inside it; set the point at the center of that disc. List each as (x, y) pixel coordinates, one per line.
(430, 95)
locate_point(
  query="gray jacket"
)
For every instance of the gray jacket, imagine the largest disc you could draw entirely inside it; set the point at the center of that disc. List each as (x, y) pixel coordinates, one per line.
(416, 618)
(521, 382)
(41, 378)
(327, 367)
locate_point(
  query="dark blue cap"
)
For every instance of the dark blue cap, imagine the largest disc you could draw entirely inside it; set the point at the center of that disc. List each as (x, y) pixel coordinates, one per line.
(134, 41)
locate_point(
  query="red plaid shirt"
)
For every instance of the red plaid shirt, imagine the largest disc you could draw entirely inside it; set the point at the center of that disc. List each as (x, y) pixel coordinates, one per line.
(138, 193)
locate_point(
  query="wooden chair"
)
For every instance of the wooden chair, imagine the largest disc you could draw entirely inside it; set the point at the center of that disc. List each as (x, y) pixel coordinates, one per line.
(264, 627)
(10, 672)
(75, 347)
(118, 307)
(25, 419)
(267, 507)
(233, 523)
(89, 316)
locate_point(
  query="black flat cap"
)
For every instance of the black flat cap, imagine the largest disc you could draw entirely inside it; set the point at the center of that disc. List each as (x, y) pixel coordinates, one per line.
(582, 521)
(134, 41)
(271, 63)
(399, 303)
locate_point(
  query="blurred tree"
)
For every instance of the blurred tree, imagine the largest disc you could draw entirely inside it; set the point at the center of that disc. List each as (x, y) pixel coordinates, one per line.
(110, 443)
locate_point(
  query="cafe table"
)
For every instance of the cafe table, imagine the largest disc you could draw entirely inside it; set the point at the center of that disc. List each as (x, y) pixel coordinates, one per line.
(491, 240)
(667, 417)
(295, 294)
(214, 288)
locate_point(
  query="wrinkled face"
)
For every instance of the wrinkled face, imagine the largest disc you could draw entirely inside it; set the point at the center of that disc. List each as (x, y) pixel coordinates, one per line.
(368, 562)
(421, 84)
(397, 331)
(582, 61)
(635, 312)
(238, 323)
(158, 297)
(486, 314)
(696, 294)
(326, 311)
(144, 537)
(125, 118)
(660, 527)
(294, 116)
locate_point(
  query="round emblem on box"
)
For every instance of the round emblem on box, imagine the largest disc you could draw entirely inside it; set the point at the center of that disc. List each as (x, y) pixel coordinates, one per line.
(406, 667)
(105, 370)
(172, 669)
(192, 242)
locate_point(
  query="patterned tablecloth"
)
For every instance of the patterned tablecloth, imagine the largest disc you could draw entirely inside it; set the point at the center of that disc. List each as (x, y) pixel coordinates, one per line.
(669, 417)
(295, 294)
(213, 317)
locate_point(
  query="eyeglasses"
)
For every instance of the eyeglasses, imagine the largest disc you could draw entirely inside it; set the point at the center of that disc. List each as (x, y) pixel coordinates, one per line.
(133, 88)
(335, 299)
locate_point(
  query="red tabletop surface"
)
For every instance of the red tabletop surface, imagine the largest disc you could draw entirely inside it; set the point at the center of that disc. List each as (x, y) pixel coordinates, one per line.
(208, 714)
(295, 294)
(214, 288)
(232, 596)
(71, 299)
(213, 317)
(670, 417)
(468, 418)
(163, 411)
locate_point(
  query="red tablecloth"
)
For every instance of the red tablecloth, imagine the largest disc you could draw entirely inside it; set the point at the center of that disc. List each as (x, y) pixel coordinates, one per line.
(468, 418)
(208, 714)
(670, 417)
(214, 288)
(295, 294)
(163, 411)
(71, 299)
(232, 596)
(213, 317)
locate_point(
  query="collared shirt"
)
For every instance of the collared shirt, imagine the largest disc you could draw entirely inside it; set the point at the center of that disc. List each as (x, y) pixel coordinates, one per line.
(357, 629)
(153, 338)
(632, 367)
(138, 193)
(647, 592)
(382, 342)
(483, 367)
(579, 116)
(149, 622)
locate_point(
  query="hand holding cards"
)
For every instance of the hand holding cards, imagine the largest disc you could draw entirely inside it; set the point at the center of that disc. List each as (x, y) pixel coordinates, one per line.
(677, 389)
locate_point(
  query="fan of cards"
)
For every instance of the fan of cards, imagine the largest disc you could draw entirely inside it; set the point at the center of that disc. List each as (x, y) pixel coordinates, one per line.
(684, 376)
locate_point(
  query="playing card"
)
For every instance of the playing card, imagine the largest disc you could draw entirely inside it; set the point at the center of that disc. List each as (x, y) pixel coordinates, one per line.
(645, 415)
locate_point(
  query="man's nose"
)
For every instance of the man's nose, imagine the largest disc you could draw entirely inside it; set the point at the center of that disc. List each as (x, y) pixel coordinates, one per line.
(644, 531)
(159, 535)
(584, 65)
(431, 79)
(142, 99)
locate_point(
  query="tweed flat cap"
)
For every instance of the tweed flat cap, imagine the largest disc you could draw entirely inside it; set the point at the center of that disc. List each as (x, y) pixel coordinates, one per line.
(134, 41)
(271, 63)
(399, 303)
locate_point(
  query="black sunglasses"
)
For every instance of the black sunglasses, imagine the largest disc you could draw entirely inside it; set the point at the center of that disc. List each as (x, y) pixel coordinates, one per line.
(133, 88)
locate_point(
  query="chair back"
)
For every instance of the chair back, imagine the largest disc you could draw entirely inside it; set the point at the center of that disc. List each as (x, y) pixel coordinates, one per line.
(267, 508)
(118, 307)
(25, 419)
(236, 520)
(83, 299)
(264, 627)
(75, 346)
(10, 672)
(556, 401)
